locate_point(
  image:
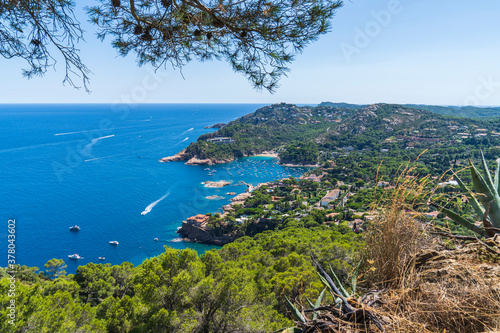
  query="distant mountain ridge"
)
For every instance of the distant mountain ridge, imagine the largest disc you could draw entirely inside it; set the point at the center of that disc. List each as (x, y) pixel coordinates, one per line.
(301, 134)
(456, 111)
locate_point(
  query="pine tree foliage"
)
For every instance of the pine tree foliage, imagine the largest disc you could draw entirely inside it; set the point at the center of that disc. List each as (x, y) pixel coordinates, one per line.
(257, 38)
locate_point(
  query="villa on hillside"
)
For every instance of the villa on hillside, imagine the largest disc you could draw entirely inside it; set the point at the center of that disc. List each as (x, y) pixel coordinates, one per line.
(329, 197)
(197, 220)
(313, 178)
(220, 140)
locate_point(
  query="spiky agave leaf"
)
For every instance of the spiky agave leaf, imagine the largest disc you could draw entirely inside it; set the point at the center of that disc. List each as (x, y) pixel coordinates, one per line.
(480, 186)
(327, 285)
(487, 174)
(354, 278)
(339, 284)
(494, 198)
(473, 200)
(320, 299)
(295, 312)
(496, 181)
(346, 307)
(460, 220)
(317, 304)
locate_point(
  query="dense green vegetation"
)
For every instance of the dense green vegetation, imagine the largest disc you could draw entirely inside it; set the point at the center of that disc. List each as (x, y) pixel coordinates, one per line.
(304, 135)
(456, 111)
(300, 153)
(238, 288)
(362, 152)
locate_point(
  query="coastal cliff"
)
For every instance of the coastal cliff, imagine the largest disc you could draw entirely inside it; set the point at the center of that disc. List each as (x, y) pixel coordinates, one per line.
(183, 155)
(202, 235)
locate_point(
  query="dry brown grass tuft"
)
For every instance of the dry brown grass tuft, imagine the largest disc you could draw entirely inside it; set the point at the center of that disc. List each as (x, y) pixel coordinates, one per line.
(396, 235)
(429, 289)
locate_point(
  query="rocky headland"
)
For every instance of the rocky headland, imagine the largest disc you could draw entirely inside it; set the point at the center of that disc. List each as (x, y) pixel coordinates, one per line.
(194, 160)
(216, 184)
(194, 233)
(218, 126)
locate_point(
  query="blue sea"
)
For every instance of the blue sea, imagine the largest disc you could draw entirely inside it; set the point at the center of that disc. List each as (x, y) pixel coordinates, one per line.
(96, 166)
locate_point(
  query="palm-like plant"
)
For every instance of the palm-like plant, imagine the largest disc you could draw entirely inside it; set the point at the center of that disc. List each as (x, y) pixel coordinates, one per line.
(485, 200)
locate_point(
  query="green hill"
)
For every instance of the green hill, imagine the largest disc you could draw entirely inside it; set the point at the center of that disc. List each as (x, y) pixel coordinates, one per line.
(302, 134)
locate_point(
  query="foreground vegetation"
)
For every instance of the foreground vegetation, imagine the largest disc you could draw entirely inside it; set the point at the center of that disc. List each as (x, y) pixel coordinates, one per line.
(240, 288)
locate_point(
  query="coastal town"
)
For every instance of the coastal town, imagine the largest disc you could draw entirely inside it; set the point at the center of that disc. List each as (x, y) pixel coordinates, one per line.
(344, 176)
(311, 200)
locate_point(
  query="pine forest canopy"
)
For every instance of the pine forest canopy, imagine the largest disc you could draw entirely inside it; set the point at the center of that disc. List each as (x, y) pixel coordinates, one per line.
(258, 38)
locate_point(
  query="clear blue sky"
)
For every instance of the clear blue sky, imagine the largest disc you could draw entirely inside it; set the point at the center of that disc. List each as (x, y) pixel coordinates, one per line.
(431, 52)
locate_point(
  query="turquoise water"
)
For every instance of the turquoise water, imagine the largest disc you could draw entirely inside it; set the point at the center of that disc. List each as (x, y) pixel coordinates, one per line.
(97, 166)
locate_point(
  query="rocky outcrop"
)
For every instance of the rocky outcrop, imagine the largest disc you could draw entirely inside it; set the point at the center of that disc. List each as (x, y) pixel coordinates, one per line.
(218, 125)
(214, 197)
(194, 160)
(237, 200)
(208, 161)
(201, 235)
(217, 184)
(180, 156)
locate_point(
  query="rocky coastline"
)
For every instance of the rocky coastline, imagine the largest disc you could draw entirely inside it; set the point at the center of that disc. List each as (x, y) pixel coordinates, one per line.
(194, 160)
(217, 126)
(197, 234)
(200, 234)
(217, 184)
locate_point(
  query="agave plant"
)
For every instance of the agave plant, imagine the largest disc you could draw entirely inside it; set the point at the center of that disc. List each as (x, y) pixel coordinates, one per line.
(485, 200)
(341, 310)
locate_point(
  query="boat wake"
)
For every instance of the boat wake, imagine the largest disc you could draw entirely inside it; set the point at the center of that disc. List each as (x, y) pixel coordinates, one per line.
(189, 130)
(100, 158)
(88, 148)
(153, 204)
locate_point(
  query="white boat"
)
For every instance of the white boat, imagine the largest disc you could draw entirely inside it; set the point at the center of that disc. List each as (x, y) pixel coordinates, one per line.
(75, 256)
(156, 239)
(74, 228)
(102, 258)
(113, 242)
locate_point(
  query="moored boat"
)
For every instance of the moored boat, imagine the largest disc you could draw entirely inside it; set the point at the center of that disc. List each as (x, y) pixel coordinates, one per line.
(74, 228)
(75, 256)
(113, 242)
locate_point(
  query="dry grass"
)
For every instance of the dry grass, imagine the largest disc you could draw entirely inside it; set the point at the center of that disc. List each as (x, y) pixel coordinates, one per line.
(423, 287)
(455, 292)
(395, 235)
(455, 298)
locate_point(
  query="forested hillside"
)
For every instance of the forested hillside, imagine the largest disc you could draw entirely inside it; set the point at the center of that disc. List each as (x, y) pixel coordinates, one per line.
(303, 135)
(455, 111)
(240, 288)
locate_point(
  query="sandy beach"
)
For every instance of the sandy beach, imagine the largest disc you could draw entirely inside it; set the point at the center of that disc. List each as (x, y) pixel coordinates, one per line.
(267, 154)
